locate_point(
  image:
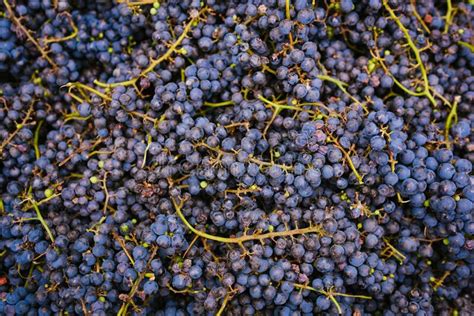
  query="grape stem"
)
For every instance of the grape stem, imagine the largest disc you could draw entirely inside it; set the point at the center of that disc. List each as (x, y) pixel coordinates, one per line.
(80, 86)
(416, 52)
(342, 86)
(452, 116)
(449, 16)
(40, 218)
(27, 33)
(376, 55)
(138, 3)
(18, 128)
(391, 251)
(348, 158)
(65, 38)
(36, 138)
(224, 304)
(148, 144)
(331, 294)
(136, 284)
(218, 104)
(467, 45)
(417, 15)
(154, 63)
(106, 193)
(240, 240)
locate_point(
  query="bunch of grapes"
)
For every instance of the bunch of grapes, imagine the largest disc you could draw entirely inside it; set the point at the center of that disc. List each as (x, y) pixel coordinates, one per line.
(274, 157)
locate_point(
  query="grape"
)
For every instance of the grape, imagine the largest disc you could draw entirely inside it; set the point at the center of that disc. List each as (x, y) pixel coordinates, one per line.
(246, 157)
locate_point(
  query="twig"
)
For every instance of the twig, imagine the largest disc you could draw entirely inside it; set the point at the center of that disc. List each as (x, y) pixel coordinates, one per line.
(27, 32)
(154, 63)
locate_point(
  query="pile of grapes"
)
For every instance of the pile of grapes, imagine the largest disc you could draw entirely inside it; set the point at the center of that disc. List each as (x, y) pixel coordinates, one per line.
(237, 157)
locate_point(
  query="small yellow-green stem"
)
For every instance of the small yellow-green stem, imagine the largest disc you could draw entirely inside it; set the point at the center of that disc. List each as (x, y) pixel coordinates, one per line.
(100, 222)
(287, 9)
(79, 86)
(66, 38)
(136, 284)
(18, 128)
(252, 159)
(272, 119)
(418, 17)
(452, 116)
(331, 295)
(269, 164)
(342, 86)
(146, 150)
(449, 16)
(138, 3)
(154, 63)
(467, 45)
(76, 175)
(268, 69)
(40, 202)
(107, 196)
(224, 304)
(439, 282)
(41, 219)
(392, 251)
(218, 104)
(416, 52)
(144, 116)
(275, 105)
(2, 207)
(76, 118)
(348, 158)
(280, 105)
(185, 291)
(278, 109)
(75, 97)
(36, 138)
(30, 273)
(337, 82)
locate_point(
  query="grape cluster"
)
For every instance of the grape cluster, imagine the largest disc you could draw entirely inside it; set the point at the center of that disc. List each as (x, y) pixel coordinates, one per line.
(285, 157)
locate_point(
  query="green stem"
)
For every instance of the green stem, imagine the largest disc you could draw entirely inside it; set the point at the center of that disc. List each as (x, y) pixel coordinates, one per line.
(17, 130)
(331, 295)
(79, 85)
(106, 192)
(240, 240)
(40, 202)
(35, 140)
(136, 284)
(65, 38)
(467, 45)
(415, 50)
(287, 9)
(224, 303)
(156, 62)
(146, 150)
(41, 219)
(449, 16)
(452, 116)
(27, 33)
(218, 104)
(342, 86)
(391, 251)
(348, 158)
(30, 273)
